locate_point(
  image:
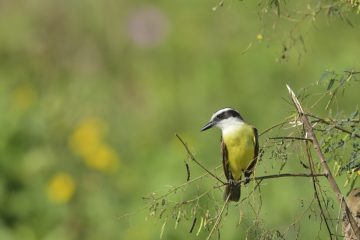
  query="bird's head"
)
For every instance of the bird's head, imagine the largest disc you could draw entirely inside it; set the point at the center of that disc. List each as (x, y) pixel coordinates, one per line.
(226, 117)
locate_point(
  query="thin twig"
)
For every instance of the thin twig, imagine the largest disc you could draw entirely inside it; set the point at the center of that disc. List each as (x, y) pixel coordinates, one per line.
(253, 190)
(352, 72)
(325, 200)
(338, 222)
(291, 138)
(197, 197)
(128, 214)
(314, 183)
(331, 123)
(184, 184)
(280, 175)
(333, 94)
(218, 218)
(330, 177)
(285, 175)
(272, 127)
(196, 161)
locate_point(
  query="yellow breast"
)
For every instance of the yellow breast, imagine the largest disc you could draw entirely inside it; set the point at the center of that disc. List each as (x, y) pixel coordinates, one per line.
(240, 145)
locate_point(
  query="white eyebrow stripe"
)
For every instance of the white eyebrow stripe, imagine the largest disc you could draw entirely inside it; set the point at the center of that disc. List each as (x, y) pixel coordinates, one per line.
(219, 112)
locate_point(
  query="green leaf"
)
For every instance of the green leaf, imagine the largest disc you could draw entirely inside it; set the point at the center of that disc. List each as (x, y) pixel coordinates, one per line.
(331, 83)
(162, 229)
(354, 114)
(324, 75)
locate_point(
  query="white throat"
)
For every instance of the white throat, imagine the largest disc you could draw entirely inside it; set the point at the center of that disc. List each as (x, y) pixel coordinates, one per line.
(230, 124)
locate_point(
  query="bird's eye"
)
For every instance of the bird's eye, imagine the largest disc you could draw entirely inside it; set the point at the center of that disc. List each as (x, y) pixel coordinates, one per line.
(222, 115)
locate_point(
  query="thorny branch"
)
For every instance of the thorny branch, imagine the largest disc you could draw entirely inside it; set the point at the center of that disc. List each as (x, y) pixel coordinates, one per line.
(310, 133)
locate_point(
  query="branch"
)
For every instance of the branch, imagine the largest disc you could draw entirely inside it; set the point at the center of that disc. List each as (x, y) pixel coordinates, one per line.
(310, 132)
(280, 175)
(194, 159)
(315, 182)
(352, 72)
(218, 218)
(291, 138)
(328, 122)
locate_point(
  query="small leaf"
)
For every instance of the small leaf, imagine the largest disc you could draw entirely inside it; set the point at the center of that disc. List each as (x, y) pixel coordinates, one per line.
(162, 212)
(177, 219)
(331, 83)
(162, 229)
(354, 114)
(304, 165)
(193, 225)
(187, 171)
(324, 75)
(200, 227)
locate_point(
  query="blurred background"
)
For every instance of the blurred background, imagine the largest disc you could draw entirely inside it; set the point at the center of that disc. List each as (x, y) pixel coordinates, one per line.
(93, 92)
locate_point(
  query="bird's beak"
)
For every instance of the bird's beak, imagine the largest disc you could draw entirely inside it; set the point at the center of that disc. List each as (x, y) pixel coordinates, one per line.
(208, 126)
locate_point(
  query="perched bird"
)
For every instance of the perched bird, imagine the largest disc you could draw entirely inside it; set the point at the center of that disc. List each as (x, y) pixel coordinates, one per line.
(353, 202)
(239, 147)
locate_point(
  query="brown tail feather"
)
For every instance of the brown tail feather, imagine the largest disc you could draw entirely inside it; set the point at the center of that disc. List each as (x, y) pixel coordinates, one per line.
(234, 191)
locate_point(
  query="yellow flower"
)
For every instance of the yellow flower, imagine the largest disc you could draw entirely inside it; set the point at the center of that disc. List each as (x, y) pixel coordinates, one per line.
(259, 37)
(87, 136)
(61, 188)
(102, 158)
(87, 142)
(23, 97)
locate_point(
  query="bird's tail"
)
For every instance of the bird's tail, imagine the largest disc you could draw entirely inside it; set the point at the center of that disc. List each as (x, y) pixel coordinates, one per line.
(234, 191)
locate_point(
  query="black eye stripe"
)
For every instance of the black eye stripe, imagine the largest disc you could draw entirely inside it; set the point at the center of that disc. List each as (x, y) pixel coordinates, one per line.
(222, 115)
(228, 114)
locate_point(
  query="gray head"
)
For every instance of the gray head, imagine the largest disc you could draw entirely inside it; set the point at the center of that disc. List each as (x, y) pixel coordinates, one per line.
(223, 118)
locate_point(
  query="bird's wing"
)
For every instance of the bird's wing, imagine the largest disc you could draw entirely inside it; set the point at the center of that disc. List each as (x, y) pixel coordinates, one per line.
(251, 167)
(225, 161)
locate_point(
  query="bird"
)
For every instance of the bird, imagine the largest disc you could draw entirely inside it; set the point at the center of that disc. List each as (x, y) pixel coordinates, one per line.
(239, 148)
